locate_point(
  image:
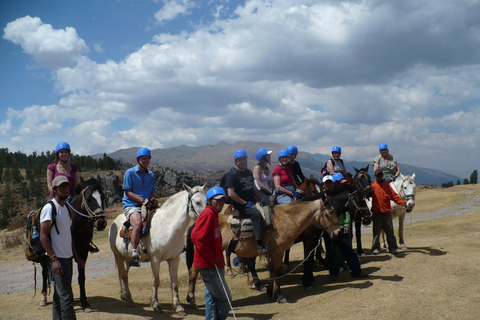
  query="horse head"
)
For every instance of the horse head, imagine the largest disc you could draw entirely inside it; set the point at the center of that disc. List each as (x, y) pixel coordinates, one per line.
(92, 203)
(308, 186)
(407, 189)
(363, 180)
(197, 200)
(357, 206)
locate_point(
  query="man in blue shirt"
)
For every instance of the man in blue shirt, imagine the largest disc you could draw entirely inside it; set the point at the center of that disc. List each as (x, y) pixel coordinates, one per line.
(139, 187)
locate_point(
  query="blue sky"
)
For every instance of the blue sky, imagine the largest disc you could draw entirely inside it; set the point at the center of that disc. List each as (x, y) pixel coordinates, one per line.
(106, 75)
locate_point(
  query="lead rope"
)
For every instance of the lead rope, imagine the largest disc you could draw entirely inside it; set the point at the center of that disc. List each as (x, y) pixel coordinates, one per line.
(226, 294)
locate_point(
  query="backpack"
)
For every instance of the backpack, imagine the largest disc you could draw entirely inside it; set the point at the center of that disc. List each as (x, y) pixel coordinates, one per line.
(33, 248)
(324, 171)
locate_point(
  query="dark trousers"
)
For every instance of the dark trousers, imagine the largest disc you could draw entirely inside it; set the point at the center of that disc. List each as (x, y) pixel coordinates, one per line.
(63, 294)
(257, 220)
(383, 221)
(344, 244)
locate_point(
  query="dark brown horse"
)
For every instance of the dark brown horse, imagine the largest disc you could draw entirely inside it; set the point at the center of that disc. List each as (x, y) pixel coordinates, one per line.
(87, 214)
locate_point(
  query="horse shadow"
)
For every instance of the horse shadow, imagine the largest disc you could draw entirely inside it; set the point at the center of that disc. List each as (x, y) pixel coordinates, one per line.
(425, 250)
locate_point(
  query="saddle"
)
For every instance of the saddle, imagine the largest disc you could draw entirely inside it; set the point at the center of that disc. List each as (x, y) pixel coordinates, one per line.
(126, 231)
(243, 228)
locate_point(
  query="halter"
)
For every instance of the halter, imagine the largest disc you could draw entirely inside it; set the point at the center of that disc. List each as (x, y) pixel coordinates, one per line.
(357, 178)
(402, 194)
(91, 213)
(352, 200)
(190, 206)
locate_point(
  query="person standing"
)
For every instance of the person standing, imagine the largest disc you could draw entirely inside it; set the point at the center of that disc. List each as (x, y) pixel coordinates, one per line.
(208, 258)
(139, 188)
(295, 166)
(382, 212)
(241, 189)
(56, 239)
(386, 162)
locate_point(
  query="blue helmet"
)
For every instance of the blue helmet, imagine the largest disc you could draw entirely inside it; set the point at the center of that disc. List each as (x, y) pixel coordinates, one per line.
(337, 149)
(338, 177)
(62, 145)
(215, 192)
(283, 153)
(292, 150)
(144, 152)
(239, 153)
(382, 146)
(261, 152)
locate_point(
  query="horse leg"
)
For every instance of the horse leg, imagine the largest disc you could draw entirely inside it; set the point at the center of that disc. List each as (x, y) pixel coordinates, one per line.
(125, 294)
(45, 264)
(83, 296)
(358, 237)
(276, 271)
(286, 259)
(192, 281)
(173, 271)
(228, 265)
(401, 221)
(155, 266)
(252, 272)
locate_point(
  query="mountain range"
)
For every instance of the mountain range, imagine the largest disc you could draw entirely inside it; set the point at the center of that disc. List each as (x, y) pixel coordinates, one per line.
(219, 157)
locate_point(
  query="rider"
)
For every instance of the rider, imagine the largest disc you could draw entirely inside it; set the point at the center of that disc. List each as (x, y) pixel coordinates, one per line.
(261, 173)
(335, 164)
(283, 179)
(241, 189)
(208, 258)
(294, 165)
(386, 162)
(61, 167)
(139, 187)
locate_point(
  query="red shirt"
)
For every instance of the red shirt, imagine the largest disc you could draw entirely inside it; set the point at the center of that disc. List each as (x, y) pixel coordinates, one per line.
(382, 194)
(286, 175)
(207, 238)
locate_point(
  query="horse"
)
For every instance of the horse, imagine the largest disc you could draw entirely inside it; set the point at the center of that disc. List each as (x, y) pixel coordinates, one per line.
(87, 214)
(164, 242)
(289, 221)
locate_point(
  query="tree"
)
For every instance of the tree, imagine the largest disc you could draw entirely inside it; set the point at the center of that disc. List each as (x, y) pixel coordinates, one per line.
(474, 177)
(458, 182)
(465, 181)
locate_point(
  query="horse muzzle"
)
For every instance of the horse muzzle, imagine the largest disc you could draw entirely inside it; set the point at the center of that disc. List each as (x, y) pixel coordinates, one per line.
(100, 224)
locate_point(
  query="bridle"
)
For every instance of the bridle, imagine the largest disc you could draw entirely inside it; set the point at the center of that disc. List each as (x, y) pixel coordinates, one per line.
(402, 193)
(351, 199)
(358, 178)
(91, 214)
(190, 206)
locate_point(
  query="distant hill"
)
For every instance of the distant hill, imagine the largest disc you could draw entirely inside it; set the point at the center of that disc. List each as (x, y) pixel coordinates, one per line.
(219, 157)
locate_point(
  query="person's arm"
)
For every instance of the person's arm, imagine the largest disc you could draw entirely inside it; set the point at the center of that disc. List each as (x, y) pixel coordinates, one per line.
(394, 197)
(77, 180)
(300, 173)
(50, 174)
(397, 174)
(133, 196)
(330, 167)
(375, 166)
(258, 195)
(47, 245)
(201, 235)
(257, 174)
(278, 186)
(234, 196)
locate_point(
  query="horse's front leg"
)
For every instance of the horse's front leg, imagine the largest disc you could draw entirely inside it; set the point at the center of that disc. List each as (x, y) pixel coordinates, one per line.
(228, 265)
(401, 221)
(173, 271)
(192, 281)
(358, 237)
(252, 272)
(275, 272)
(83, 296)
(155, 265)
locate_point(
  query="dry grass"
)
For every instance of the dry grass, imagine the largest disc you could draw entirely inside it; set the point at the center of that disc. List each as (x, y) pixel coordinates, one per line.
(436, 278)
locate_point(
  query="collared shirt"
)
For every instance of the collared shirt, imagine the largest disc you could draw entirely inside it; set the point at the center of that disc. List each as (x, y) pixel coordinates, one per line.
(140, 184)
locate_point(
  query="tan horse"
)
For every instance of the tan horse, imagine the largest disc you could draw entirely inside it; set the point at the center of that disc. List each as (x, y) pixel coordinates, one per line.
(289, 221)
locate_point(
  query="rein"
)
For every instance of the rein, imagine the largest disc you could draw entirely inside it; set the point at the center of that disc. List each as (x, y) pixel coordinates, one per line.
(352, 200)
(190, 206)
(91, 214)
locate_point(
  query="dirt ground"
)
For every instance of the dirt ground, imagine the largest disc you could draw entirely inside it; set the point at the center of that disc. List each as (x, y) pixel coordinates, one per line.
(437, 277)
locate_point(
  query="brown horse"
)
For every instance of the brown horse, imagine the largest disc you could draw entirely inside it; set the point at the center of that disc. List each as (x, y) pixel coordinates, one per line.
(289, 221)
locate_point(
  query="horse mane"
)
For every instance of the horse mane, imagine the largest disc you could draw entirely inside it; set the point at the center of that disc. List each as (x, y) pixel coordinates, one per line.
(94, 182)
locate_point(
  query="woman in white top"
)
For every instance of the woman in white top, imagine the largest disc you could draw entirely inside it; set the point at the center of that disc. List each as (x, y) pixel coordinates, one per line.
(262, 174)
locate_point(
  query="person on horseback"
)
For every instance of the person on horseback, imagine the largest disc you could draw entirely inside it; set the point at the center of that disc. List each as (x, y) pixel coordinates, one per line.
(283, 179)
(294, 165)
(328, 182)
(58, 244)
(139, 189)
(343, 242)
(382, 212)
(386, 162)
(335, 164)
(208, 258)
(261, 173)
(61, 167)
(241, 189)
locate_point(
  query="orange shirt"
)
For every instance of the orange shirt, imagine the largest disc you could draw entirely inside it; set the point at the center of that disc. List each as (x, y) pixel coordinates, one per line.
(382, 194)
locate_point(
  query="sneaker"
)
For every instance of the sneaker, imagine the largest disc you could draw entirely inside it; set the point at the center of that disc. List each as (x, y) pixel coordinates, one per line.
(393, 251)
(375, 251)
(134, 262)
(261, 249)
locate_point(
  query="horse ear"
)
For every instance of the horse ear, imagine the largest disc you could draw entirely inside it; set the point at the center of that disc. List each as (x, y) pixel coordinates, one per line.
(356, 170)
(413, 177)
(189, 190)
(204, 186)
(368, 165)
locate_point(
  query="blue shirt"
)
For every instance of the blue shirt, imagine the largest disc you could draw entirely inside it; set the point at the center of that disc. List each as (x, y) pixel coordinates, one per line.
(141, 184)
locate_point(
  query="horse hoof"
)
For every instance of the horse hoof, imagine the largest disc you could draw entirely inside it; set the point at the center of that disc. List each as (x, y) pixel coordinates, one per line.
(231, 276)
(179, 311)
(43, 300)
(282, 300)
(130, 304)
(403, 246)
(262, 289)
(87, 309)
(309, 288)
(191, 301)
(157, 309)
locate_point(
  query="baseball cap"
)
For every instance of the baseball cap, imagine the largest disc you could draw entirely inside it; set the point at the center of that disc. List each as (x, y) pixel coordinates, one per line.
(326, 178)
(59, 180)
(377, 171)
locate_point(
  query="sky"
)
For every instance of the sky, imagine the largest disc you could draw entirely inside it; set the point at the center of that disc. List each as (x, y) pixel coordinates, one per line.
(108, 75)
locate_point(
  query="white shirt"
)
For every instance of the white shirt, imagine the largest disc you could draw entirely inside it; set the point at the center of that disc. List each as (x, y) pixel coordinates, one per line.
(62, 241)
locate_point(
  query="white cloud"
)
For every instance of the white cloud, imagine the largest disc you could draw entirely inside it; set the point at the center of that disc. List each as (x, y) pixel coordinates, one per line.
(51, 48)
(173, 8)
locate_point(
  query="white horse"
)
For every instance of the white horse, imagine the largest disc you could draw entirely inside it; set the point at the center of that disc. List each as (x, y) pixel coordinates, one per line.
(164, 243)
(406, 188)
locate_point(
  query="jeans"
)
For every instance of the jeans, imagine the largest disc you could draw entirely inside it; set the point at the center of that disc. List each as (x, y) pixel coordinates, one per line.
(284, 198)
(383, 221)
(63, 294)
(257, 220)
(216, 303)
(344, 244)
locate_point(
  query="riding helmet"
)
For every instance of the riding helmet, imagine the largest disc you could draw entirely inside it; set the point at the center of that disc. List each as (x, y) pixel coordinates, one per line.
(283, 153)
(382, 146)
(62, 145)
(337, 149)
(292, 150)
(239, 153)
(262, 152)
(216, 193)
(338, 177)
(144, 152)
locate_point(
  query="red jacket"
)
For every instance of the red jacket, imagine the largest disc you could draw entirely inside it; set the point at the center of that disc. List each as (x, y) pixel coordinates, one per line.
(382, 194)
(207, 238)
